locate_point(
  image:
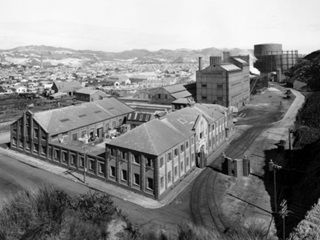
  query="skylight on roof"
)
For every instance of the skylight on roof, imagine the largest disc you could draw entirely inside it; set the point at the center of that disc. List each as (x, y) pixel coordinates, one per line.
(82, 115)
(64, 120)
(111, 108)
(99, 111)
(183, 121)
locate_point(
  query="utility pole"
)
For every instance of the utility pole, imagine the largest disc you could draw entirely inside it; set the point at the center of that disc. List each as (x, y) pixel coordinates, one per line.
(272, 168)
(284, 213)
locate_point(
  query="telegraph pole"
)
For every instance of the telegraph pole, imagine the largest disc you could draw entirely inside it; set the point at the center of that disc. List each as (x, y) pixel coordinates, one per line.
(284, 213)
(273, 167)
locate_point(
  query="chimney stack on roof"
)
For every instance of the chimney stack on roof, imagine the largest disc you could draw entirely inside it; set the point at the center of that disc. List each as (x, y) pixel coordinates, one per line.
(215, 60)
(226, 56)
(200, 63)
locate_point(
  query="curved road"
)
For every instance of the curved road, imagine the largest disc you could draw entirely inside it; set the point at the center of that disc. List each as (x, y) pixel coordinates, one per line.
(206, 193)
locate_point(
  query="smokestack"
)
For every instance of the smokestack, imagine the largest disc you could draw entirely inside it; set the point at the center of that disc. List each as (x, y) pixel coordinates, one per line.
(226, 56)
(215, 60)
(200, 63)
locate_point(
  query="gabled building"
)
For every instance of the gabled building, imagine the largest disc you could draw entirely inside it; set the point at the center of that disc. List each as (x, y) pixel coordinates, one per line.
(170, 93)
(66, 87)
(37, 133)
(225, 83)
(90, 95)
(152, 158)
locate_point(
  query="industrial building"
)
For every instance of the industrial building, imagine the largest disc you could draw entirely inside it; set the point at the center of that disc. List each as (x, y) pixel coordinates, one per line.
(49, 134)
(225, 83)
(154, 157)
(271, 58)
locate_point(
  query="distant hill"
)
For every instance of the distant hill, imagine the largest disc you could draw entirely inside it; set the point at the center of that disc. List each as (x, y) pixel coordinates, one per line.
(32, 55)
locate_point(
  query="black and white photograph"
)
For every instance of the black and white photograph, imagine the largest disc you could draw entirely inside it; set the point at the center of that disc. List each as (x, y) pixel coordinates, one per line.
(159, 120)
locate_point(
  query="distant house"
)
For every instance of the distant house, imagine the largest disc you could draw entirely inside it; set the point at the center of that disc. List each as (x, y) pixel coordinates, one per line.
(119, 80)
(90, 95)
(66, 87)
(19, 89)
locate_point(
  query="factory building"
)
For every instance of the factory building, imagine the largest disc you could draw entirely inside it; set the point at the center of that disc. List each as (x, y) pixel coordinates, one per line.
(154, 157)
(225, 83)
(271, 58)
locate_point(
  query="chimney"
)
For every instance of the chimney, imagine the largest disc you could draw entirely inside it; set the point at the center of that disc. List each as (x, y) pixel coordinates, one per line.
(226, 56)
(200, 63)
(215, 60)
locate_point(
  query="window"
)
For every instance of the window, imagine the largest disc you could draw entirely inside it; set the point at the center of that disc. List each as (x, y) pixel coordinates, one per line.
(124, 155)
(91, 165)
(74, 137)
(43, 150)
(124, 176)
(219, 86)
(112, 171)
(192, 157)
(161, 162)
(36, 147)
(107, 127)
(162, 182)
(84, 132)
(136, 158)
(36, 133)
(64, 156)
(113, 124)
(176, 152)
(169, 156)
(175, 170)
(169, 176)
(204, 85)
(181, 166)
(192, 141)
(187, 145)
(150, 183)
(73, 159)
(136, 179)
(182, 148)
(187, 161)
(204, 97)
(159, 96)
(141, 117)
(201, 135)
(112, 152)
(165, 96)
(81, 162)
(149, 162)
(220, 98)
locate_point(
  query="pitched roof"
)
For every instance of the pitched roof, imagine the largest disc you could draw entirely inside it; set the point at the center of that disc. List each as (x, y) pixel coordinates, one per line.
(89, 91)
(67, 86)
(157, 136)
(230, 67)
(182, 94)
(65, 119)
(174, 88)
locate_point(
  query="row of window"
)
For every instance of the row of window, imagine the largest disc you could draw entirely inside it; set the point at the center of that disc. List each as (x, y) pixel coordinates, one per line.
(136, 177)
(218, 98)
(219, 86)
(176, 172)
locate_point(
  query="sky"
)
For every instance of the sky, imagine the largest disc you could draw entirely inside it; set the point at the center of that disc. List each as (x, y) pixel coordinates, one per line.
(120, 25)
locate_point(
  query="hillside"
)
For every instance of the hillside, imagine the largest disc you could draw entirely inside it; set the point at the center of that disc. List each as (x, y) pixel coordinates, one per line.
(32, 55)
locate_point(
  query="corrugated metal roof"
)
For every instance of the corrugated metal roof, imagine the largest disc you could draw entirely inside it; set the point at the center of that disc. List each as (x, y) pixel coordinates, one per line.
(67, 86)
(174, 88)
(157, 136)
(65, 119)
(182, 94)
(240, 60)
(230, 67)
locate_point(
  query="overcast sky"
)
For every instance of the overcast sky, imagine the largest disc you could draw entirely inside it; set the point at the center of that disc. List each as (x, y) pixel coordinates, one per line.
(119, 25)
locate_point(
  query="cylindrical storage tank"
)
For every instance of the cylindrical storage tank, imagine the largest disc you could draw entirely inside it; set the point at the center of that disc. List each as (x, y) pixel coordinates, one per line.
(215, 60)
(263, 49)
